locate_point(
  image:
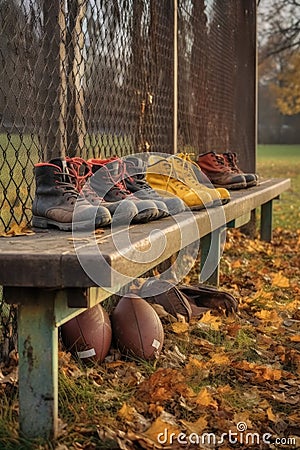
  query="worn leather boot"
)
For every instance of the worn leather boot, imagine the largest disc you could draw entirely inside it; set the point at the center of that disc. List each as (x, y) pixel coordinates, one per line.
(161, 177)
(136, 183)
(232, 162)
(210, 297)
(216, 169)
(57, 202)
(166, 294)
(220, 196)
(108, 183)
(122, 211)
(185, 170)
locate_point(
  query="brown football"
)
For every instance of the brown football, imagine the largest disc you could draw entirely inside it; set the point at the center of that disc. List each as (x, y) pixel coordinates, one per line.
(88, 336)
(137, 329)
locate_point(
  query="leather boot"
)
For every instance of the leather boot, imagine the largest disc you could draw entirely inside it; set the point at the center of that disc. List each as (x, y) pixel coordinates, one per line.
(160, 176)
(232, 162)
(57, 202)
(108, 183)
(136, 183)
(210, 297)
(122, 211)
(166, 294)
(216, 169)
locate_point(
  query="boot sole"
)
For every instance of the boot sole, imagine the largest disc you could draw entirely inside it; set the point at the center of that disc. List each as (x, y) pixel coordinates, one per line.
(252, 183)
(44, 222)
(231, 186)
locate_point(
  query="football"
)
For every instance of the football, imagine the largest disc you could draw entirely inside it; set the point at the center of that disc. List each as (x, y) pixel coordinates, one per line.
(137, 329)
(89, 335)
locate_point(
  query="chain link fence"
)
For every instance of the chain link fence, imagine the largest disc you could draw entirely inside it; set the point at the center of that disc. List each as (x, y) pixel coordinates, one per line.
(97, 78)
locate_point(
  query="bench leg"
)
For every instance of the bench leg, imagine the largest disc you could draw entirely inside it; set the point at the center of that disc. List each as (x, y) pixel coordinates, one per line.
(266, 221)
(38, 372)
(210, 257)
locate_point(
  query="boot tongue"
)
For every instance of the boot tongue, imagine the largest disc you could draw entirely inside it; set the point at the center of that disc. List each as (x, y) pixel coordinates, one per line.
(62, 164)
(113, 167)
(135, 167)
(59, 162)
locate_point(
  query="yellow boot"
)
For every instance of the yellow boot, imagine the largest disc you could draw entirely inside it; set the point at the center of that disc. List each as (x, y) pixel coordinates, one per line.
(161, 177)
(195, 175)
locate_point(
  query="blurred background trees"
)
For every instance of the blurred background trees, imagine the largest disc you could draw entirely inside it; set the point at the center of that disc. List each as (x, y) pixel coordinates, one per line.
(279, 71)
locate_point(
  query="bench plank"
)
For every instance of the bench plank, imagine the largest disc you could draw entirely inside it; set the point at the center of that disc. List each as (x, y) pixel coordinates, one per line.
(49, 259)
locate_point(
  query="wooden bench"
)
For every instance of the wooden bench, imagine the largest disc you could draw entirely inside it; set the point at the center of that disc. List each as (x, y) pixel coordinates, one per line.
(43, 274)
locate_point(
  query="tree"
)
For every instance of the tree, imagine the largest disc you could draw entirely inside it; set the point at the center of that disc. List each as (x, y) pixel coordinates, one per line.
(288, 88)
(279, 26)
(279, 66)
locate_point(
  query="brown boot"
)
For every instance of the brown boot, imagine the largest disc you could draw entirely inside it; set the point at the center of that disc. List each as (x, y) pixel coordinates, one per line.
(231, 160)
(166, 294)
(210, 297)
(220, 174)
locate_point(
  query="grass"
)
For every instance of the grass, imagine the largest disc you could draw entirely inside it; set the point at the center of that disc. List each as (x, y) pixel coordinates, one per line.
(283, 161)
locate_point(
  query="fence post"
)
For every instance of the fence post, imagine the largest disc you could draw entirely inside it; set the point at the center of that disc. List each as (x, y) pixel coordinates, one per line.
(53, 84)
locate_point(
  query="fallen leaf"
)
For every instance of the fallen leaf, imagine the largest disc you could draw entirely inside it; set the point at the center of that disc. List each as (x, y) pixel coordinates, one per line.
(162, 431)
(196, 427)
(180, 327)
(213, 321)
(17, 230)
(271, 415)
(127, 412)
(220, 359)
(194, 365)
(270, 316)
(278, 279)
(204, 398)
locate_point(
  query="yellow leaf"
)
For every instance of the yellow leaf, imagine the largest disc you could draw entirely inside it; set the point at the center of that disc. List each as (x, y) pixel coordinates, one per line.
(242, 417)
(17, 230)
(226, 389)
(213, 321)
(261, 294)
(295, 338)
(196, 427)
(269, 316)
(236, 264)
(180, 327)
(161, 428)
(220, 358)
(127, 412)
(271, 415)
(262, 373)
(204, 398)
(280, 280)
(293, 306)
(194, 366)
(268, 373)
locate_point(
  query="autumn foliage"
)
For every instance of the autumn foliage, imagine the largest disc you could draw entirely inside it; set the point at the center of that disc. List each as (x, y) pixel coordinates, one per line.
(214, 375)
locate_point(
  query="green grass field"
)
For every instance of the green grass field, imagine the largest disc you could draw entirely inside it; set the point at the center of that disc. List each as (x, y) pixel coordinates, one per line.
(283, 161)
